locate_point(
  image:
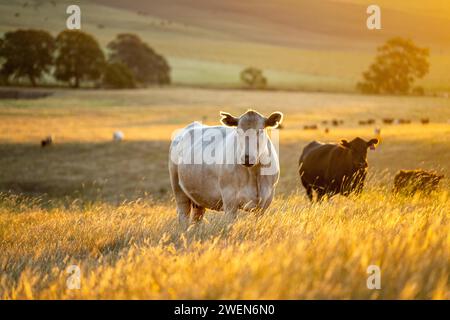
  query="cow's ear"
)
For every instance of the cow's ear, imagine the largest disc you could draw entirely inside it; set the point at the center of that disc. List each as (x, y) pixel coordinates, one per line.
(228, 119)
(274, 120)
(372, 143)
(345, 143)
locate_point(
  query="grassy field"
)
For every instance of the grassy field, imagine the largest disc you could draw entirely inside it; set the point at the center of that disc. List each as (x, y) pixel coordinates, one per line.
(107, 207)
(302, 44)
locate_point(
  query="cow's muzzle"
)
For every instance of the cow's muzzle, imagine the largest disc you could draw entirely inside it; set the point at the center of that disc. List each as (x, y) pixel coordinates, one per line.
(248, 165)
(249, 161)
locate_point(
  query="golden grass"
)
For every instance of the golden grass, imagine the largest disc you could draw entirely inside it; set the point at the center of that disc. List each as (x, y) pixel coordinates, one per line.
(296, 251)
(107, 207)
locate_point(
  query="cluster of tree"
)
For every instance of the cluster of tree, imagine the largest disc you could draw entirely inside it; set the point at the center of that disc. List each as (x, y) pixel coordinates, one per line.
(399, 62)
(75, 57)
(253, 78)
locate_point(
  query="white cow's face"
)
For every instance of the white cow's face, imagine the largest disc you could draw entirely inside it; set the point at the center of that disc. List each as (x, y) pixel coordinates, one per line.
(251, 134)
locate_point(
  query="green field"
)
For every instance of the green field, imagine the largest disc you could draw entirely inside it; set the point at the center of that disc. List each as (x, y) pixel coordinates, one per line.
(321, 46)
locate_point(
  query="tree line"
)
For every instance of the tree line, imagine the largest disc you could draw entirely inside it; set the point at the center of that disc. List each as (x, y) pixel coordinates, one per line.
(75, 57)
(399, 63)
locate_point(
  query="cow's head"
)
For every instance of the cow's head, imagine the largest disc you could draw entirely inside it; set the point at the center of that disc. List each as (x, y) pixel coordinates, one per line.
(359, 148)
(251, 133)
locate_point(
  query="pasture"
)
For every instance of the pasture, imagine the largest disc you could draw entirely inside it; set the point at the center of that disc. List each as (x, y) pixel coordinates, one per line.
(107, 206)
(300, 45)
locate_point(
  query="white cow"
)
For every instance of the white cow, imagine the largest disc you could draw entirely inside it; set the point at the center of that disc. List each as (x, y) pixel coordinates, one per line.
(118, 136)
(225, 168)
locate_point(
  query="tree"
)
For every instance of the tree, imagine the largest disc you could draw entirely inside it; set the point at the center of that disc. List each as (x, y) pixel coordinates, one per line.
(253, 78)
(147, 66)
(3, 80)
(26, 53)
(118, 76)
(398, 64)
(79, 57)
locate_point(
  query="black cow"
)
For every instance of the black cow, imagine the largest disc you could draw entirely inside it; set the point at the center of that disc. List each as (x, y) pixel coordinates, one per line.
(331, 169)
(48, 141)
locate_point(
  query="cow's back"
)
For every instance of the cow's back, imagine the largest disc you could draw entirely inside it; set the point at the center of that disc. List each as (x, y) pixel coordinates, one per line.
(323, 164)
(199, 180)
(316, 158)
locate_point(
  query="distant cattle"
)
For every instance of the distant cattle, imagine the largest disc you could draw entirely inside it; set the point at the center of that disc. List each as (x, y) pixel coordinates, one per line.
(330, 169)
(224, 167)
(388, 120)
(425, 120)
(366, 122)
(118, 136)
(412, 181)
(327, 130)
(310, 127)
(403, 121)
(335, 122)
(48, 141)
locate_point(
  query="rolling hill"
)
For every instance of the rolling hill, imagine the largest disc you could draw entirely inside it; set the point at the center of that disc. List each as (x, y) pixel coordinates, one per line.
(300, 44)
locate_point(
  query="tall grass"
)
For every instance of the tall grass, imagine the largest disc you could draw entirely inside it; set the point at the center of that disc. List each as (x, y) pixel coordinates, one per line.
(106, 207)
(295, 251)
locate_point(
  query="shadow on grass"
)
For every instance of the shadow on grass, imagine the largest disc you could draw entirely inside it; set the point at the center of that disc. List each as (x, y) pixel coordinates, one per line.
(111, 172)
(116, 172)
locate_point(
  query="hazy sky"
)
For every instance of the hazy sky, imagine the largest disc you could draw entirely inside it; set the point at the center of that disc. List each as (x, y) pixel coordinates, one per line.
(440, 8)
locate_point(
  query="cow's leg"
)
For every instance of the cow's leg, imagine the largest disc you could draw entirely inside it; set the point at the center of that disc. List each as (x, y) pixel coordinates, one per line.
(230, 205)
(359, 187)
(359, 184)
(230, 208)
(308, 188)
(320, 194)
(184, 203)
(183, 209)
(231, 212)
(266, 203)
(197, 212)
(309, 192)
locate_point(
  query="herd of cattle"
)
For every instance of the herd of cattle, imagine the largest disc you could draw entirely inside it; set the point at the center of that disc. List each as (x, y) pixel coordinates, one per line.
(248, 181)
(326, 169)
(362, 122)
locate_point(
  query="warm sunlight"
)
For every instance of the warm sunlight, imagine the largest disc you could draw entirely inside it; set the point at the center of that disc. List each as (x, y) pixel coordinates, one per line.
(217, 157)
